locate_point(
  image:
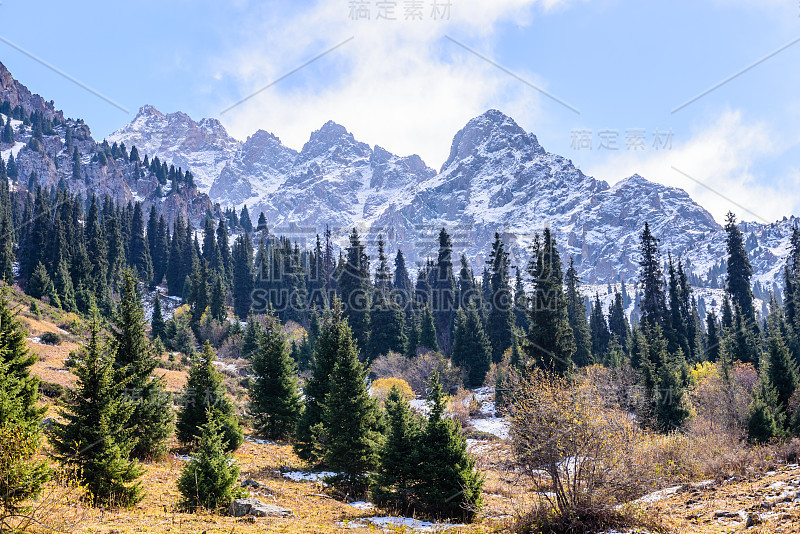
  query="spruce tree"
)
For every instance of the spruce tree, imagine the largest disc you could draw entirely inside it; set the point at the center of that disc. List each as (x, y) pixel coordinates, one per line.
(427, 331)
(21, 474)
(40, 285)
(274, 399)
(208, 480)
(599, 330)
(576, 313)
(397, 465)
(316, 389)
(447, 484)
(402, 280)
(204, 393)
(152, 419)
(550, 343)
(245, 222)
(93, 434)
(443, 292)
(158, 329)
(351, 423)
(713, 340)
(651, 280)
(764, 420)
(471, 348)
(500, 321)
(740, 271)
(782, 371)
(617, 322)
(242, 258)
(354, 283)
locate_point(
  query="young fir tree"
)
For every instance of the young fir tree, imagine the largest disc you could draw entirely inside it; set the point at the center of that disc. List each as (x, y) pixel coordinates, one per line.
(617, 322)
(158, 328)
(204, 393)
(471, 348)
(651, 279)
(599, 330)
(713, 340)
(500, 321)
(576, 313)
(242, 260)
(351, 422)
(550, 342)
(21, 474)
(152, 419)
(740, 272)
(326, 351)
(208, 481)
(447, 484)
(782, 371)
(764, 420)
(274, 399)
(354, 283)
(443, 286)
(93, 434)
(397, 465)
(427, 331)
(40, 285)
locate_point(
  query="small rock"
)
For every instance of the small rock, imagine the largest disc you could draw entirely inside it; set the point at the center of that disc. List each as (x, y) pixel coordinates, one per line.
(256, 508)
(719, 514)
(250, 483)
(752, 520)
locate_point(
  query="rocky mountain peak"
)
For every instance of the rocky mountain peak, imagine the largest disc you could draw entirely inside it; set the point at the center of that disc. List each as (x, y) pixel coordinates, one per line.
(490, 134)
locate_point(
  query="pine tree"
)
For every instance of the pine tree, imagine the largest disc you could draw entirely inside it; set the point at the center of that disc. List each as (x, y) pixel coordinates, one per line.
(599, 330)
(501, 319)
(443, 292)
(427, 331)
(158, 328)
(713, 338)
(202, 394)
(217, 303)
(354, 283)
(397, 465)
(447, 484)
(21, 475)
(618, 323)
(274, 399)
(242, 259)
(782, 371)
(576, 313)
(152, 419)
(550, 342)
(471, 347)
(93, 434)
(402, 280)
(245, 222)
(651, 279)
(40, 285)
(739, 273)
(63, 287)
(208, 481)
(316, 389)
(351, 423)
(764, 421)
(521, 304)
(387, 320)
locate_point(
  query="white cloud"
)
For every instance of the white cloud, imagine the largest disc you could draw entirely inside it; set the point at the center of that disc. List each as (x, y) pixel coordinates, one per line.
(721, 156)
(399, 84)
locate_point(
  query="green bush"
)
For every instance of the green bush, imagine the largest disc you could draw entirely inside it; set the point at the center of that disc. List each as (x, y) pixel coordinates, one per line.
(50, 338)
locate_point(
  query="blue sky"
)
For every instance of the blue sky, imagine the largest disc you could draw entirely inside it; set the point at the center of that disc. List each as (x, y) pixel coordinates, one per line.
(409, 85)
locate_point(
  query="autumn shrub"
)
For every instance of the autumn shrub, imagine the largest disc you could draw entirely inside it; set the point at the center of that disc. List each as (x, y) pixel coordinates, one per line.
(381, 387)
(417, 371)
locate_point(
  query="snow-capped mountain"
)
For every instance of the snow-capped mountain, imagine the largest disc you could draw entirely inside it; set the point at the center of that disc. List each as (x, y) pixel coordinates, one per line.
(48, 160)
(497, 178)
(204, 147)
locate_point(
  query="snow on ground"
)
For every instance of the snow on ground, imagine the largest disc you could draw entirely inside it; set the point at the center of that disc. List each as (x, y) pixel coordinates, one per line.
(392, 522)
(258, 441)
(499, 426)
(301, 476)
(659, 495)
(362, 505)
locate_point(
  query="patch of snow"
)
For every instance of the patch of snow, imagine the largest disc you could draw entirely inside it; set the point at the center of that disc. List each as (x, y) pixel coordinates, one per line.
(258, 441)
(301, 476)
(659, 495)
(410, 523)
(362, 505)
(499, 426)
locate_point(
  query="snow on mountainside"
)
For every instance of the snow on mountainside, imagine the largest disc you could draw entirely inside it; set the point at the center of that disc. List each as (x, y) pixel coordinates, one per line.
(204, 147)
(497, 178)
